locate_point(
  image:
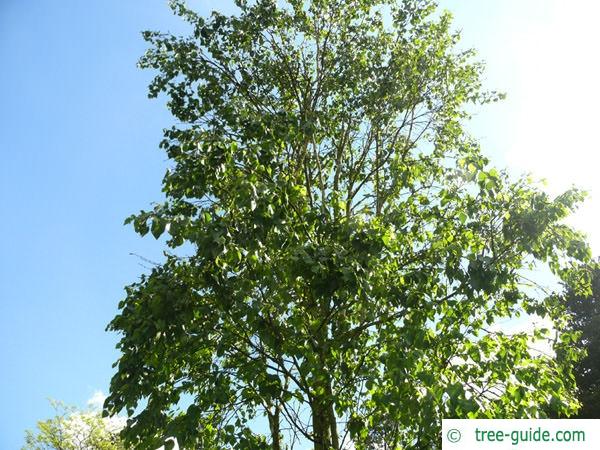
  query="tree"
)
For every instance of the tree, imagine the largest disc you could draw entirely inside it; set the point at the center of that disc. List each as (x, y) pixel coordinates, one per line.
(348, 248)
(585, 312)
(72, 429)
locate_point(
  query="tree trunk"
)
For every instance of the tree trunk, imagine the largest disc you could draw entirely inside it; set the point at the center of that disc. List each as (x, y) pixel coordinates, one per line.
(323, 418)
(274, 426)
(335, 441)
(323, 415)
(321, 426)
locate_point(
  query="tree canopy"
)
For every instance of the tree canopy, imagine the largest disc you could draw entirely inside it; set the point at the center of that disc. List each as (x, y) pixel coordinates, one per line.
(73, 429)
(585, 319)
(340, 250)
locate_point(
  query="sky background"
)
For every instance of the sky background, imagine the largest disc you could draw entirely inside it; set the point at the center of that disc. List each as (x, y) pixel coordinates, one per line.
(79, 153)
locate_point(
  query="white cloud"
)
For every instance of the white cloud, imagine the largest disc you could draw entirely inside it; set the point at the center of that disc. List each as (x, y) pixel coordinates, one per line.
(543, 54)
(556, 120)
(96, 401)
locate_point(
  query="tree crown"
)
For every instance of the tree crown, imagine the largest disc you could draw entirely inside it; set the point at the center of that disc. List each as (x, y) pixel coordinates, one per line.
(352, 249)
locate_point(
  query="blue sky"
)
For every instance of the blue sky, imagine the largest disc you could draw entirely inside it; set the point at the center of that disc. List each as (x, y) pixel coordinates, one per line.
(79, 153)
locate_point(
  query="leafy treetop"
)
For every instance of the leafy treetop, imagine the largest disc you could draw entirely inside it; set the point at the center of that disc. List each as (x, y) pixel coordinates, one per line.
(351, 247)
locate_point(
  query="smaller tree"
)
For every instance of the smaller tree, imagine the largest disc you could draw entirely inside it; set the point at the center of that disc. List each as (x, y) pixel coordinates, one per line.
(585, 318)
(74, 429)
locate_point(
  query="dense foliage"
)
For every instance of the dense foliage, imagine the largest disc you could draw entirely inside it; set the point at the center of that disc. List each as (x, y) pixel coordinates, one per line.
(341, 251)
(585, 313)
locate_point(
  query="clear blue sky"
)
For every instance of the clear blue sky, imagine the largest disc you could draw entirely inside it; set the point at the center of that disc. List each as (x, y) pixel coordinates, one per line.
(79, 152)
